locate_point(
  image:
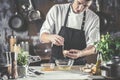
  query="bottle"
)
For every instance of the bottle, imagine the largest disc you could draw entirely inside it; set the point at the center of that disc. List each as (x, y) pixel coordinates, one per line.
(27, 46)
(22, 45)
(96, 69)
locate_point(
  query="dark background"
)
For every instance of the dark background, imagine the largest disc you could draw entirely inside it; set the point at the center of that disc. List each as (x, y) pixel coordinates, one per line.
(108, 11)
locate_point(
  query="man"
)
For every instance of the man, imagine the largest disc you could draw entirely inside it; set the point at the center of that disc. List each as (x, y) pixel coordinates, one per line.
(71, 27)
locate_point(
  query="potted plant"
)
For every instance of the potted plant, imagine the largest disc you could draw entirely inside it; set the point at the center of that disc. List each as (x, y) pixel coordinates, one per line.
(22, 62)
(108, 46)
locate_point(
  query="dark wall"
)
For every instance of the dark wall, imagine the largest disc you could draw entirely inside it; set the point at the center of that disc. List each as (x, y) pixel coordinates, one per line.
(109, 11)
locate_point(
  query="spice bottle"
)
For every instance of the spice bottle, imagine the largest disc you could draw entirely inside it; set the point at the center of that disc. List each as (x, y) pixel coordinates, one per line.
(12, 43)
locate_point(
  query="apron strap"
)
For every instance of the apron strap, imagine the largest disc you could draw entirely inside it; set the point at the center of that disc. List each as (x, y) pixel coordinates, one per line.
(83, 22)
(66, 17)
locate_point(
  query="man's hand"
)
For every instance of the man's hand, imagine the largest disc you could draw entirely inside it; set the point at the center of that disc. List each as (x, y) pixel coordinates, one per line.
(56, 39)
(73, 53)
(52, 38)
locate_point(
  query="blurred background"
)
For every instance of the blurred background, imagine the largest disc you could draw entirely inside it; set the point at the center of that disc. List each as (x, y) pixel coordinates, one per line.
(24, 18)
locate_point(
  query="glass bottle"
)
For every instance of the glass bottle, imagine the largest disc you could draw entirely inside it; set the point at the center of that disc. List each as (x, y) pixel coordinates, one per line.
(98, 64)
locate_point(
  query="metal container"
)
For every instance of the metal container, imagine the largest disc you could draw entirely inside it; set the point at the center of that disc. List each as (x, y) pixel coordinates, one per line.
(113, 69)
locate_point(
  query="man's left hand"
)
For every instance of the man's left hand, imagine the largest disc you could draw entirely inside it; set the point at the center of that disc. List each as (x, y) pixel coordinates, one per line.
(74, 54)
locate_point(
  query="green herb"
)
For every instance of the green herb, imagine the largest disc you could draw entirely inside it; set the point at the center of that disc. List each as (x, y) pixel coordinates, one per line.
(22, 58)
(108, 46)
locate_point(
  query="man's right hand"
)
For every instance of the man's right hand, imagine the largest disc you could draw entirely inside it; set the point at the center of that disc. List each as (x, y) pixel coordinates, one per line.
(52, 38)
(56, 39)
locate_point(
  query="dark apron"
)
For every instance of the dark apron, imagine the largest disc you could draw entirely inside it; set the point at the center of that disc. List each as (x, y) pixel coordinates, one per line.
(73, 39)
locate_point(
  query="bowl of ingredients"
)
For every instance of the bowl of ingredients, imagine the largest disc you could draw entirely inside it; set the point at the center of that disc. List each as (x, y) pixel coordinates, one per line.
(47, 66)
(64, 64)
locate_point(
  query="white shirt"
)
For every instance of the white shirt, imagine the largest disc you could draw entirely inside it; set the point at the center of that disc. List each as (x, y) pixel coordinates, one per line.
(55, 20)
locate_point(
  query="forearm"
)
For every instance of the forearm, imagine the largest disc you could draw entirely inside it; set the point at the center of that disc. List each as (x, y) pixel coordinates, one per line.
(87, 51)
(74, 53)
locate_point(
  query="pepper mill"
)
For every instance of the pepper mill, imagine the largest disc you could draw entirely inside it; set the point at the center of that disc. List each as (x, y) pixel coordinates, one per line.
(14, 65)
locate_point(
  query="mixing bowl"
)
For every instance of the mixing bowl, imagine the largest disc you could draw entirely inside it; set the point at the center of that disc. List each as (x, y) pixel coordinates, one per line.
(64, 64)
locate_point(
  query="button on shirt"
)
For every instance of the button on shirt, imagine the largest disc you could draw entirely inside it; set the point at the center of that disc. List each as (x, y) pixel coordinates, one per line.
(56, 17)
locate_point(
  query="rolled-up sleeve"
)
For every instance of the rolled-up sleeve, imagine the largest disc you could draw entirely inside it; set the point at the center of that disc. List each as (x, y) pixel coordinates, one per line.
(48, 25)
(94, 32)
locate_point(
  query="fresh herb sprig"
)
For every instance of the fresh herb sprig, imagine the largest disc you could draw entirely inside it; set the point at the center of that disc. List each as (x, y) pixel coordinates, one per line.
(108, 46)
(22, 58)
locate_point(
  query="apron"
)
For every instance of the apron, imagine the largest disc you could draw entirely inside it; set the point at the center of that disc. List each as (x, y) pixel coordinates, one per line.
(73, 39)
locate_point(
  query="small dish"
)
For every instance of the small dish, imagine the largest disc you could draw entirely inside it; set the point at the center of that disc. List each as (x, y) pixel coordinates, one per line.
(47, 66)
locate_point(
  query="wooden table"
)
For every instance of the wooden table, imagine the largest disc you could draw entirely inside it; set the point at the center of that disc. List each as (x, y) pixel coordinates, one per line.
(73, 74)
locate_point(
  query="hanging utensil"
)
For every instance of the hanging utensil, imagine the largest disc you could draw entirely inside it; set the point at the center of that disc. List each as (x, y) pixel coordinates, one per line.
(18, 21)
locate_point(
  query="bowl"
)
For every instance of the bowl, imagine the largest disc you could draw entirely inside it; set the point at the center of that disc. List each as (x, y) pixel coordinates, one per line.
(64, 64)
(47, 66)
